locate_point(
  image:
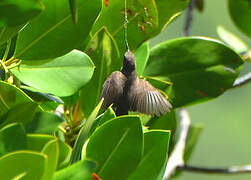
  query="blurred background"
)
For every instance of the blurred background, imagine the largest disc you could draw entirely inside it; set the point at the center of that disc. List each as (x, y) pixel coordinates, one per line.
(226, 137)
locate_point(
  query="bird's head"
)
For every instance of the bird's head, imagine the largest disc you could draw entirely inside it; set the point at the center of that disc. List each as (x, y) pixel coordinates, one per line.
(129, 64)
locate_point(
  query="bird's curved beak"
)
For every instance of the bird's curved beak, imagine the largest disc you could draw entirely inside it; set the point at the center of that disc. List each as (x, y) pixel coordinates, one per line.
(127, 47)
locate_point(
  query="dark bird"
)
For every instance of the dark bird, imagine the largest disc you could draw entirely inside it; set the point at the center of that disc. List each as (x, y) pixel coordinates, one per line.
(129, 93)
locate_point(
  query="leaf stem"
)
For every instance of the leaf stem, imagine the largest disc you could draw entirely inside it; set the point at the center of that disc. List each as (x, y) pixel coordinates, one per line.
(9, 60)
(6, 50)
(62, 129)
(14, 65)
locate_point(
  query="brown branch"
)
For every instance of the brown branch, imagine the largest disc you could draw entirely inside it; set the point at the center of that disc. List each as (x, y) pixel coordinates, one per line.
(229, 170)
(242, 80)
(176, 158)
(176, 161)
(189, 18)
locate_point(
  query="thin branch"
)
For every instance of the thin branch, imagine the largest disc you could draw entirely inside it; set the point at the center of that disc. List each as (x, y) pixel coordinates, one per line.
(176, 158)
(229, 170)
(242, 80)
(189, 18)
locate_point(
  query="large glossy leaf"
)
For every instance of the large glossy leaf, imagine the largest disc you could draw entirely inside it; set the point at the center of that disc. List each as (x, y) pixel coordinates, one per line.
(108, 115)
(141, 56)
(51, 149)
(117, 147)
(20, 162)
(11, 96)
(39, 96)
(101, 51)
(167, 122)
(64, 155)
(44, 123)
(240, 12)
(37, 142)
(22, 113)
(142, 17)
(84, 134)
(58, 34)
(12, 138)
(168, 10)
(146, 18)
(156, 147)
(198, 68)
(14, 13)
(232, 40)
(74, 10)
(80, 170)
(62, 76)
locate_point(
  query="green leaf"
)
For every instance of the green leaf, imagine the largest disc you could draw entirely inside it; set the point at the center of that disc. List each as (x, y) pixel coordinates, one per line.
(80, 170)
(6, 33)
(14, 13)
(62, 76)
(232, 40)
(51, 149)
(11, 96)
(44, 123)
(58, 35)
(192, 139)
(22, 113)
(39, 96)
(167, 122)
(141, 56)
(101, 51)
(46, 101)
(117, 147)
(19, 162)
(11, 42)
(240, 12)
(49, 106)
(159, 83)
(168, 11)
(108, 115)
(102, 118)
(141, 13)
(84, 134)
(36, 142)
(12, 138)
(64, 154)
(198, 68)
(74, 10)
(156, 147)
(146, 19)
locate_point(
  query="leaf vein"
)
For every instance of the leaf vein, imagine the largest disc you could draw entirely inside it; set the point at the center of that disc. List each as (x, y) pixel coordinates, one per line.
(113, 151)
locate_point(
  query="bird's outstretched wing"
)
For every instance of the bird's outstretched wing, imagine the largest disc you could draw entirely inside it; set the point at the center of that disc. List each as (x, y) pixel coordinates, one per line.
(146, 99)
(112, 88)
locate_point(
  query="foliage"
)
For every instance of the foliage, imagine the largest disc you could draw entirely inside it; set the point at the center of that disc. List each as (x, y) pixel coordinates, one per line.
(55, 56)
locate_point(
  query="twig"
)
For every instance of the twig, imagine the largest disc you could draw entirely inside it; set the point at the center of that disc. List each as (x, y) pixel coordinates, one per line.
(230, 170)
(242, 80)
(176, 158)
(189, 18)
